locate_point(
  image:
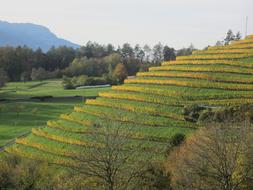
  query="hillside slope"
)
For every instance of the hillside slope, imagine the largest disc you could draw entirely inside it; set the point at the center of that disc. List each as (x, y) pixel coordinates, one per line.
(31, 35)
(150, 104)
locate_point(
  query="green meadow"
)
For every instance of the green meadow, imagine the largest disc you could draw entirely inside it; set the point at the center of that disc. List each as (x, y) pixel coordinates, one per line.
(21, 111)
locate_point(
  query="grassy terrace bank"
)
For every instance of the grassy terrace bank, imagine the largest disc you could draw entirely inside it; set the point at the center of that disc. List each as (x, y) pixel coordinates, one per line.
(149, 106)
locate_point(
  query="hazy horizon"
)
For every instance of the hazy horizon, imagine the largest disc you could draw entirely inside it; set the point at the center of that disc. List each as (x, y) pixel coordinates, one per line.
(175, 23)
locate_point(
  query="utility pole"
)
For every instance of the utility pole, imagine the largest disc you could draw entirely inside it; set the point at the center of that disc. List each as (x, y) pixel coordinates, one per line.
(246, 26)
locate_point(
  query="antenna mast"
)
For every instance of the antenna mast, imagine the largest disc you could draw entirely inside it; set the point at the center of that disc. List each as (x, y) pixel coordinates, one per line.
(246, 26)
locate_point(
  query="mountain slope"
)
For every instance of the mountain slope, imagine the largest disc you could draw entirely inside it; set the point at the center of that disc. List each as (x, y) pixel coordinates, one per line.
(31, 35)
(151, 104)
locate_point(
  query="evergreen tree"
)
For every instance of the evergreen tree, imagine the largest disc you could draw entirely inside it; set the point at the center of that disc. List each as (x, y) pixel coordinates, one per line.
(229, 38)
(169, 54)
(238, 36)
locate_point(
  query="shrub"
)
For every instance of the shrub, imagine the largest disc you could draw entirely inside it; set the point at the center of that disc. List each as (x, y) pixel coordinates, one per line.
(38, 74)
(155, 177)
(215, 157)
(67, 83)
(69, 181)
(192, 112)
(232, 114)
(177, 139)
(20, 173)
(174, 142)
(120, 72)
(83, 80)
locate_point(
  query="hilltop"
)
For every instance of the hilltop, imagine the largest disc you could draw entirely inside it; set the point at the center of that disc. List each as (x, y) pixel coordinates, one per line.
(31, 35)
(151, 104)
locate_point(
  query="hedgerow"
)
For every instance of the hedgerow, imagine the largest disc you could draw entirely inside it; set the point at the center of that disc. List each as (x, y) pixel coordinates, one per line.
(124, 116)
(148, 89)
(142, 98)
(219, 56)
(47, 145)
(189, 83)
(225, 102)
(70, 118)
(180, 93)
(225, 51)
(245, 41)
(149, 132)
(158, 110)
(209, 62)
(36, 154)
(60, 137)
(71, 128)
(225, 77)
(204, 68)
(249, 37)
(233, 46)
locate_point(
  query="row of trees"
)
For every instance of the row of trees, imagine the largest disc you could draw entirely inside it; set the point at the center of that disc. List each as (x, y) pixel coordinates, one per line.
(91, 59)
(18, 62)
(229, 38)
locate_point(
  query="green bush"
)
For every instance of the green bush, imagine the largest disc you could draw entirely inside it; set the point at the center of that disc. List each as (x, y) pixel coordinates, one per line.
(67, 83)
(232, 114)
(24, 174)
(174, 142)
(83, 80)
(155, 177)
(192, 112)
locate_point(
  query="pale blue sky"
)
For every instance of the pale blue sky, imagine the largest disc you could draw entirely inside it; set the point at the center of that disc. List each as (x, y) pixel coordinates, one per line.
(174, 22)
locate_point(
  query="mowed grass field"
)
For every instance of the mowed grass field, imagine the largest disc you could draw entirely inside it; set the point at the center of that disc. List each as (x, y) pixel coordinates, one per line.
(19, 113)
(19, 90)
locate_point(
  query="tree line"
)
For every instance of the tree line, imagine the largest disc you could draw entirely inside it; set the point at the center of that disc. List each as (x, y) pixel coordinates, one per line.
(92, 59)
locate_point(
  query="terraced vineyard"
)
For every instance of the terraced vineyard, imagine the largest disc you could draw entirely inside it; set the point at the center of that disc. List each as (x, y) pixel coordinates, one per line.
(150, 105)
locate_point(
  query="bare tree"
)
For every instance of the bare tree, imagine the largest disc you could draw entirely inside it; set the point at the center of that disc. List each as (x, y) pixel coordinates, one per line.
(147, 50)
(214, 158)
(158, 53)
(114, 161)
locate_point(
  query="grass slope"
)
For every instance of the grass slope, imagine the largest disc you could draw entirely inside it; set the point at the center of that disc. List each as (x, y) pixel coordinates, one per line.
(150, 105)
(53, 88)
(19, 114)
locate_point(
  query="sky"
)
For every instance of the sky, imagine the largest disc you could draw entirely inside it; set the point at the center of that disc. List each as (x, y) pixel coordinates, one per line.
(176, 23)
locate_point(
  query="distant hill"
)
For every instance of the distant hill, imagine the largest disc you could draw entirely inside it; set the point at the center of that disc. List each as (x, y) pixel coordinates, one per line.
(31, 35)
